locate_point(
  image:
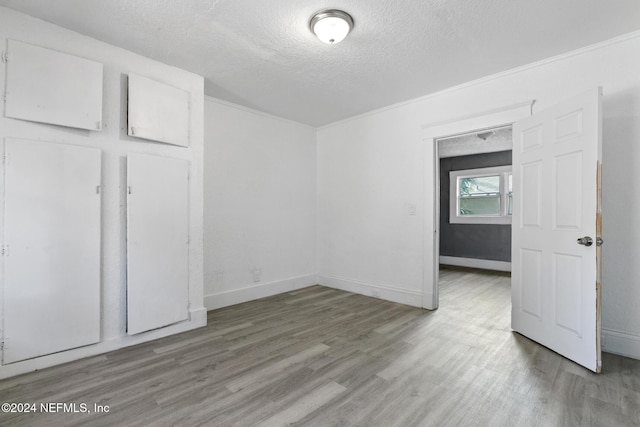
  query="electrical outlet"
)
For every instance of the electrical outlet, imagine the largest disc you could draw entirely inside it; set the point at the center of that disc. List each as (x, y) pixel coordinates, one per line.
(411, 209)
(257, 273)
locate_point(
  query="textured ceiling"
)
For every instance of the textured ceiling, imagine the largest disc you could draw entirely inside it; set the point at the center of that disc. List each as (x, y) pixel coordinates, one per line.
(261, 54)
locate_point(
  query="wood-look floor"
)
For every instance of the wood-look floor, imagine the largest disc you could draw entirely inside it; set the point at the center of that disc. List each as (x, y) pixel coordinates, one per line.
(324, 357)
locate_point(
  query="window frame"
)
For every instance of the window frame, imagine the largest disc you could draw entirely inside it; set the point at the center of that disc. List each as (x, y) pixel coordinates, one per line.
(454, 195)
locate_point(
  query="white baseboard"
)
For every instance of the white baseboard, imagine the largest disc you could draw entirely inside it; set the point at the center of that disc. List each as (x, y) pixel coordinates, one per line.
(249, 293)
(389, 293)
(197, 319)
(485, 264)
(621, 343)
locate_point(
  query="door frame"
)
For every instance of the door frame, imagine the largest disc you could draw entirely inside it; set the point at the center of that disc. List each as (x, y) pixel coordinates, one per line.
(432, 132)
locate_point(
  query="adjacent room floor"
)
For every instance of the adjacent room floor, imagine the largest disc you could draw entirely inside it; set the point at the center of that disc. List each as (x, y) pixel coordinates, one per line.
(324, 357)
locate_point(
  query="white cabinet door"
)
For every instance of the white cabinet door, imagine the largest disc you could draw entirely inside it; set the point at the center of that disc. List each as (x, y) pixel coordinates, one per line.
(52, 248)
(158, 111)
(47, 86)
(157, 242)
(555, 279)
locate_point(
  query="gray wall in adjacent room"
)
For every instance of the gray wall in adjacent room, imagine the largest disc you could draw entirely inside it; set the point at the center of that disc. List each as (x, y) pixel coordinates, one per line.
(481, 241)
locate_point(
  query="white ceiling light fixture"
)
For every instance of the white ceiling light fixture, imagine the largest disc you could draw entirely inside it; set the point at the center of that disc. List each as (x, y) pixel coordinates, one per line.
(331, 26)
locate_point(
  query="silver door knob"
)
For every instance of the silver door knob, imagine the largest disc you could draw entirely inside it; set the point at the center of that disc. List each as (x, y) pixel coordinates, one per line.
(586, 241)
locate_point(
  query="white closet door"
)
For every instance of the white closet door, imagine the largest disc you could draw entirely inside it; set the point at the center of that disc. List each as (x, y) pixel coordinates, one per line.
(158, 111)
(47, 86)
(52, 248)
(157, 242)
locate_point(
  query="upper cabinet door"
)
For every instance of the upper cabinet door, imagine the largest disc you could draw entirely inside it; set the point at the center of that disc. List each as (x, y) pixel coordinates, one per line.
(158, 111)
(47, 86)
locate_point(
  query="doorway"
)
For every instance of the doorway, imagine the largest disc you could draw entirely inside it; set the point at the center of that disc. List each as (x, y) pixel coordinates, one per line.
(470, 125)
(475, 198)
(556, 271)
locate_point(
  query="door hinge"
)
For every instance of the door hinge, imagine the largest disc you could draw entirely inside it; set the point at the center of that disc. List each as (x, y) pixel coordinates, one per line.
(97, 189)
(5, 250)
(5, 56)
(129, 190)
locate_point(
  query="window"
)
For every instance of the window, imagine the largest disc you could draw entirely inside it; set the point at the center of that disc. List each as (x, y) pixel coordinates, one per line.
(481, 196)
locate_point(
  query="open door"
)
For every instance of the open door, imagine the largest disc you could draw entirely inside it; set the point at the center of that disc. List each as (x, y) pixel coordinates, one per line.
(556, 234)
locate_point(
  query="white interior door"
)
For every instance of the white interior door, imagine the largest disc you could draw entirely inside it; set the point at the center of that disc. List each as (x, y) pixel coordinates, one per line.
(555, 279)
(51, 248)
(157, 242)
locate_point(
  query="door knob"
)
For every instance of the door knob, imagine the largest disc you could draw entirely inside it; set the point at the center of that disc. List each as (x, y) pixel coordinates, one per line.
(586, 241)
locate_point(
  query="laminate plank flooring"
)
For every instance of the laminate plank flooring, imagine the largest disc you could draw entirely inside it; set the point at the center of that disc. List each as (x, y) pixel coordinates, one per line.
(323, 357)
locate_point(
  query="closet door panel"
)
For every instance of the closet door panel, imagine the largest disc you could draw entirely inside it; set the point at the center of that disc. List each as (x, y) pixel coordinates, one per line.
(52, 248)
(158, 111)
(47, 86)
(157, 242)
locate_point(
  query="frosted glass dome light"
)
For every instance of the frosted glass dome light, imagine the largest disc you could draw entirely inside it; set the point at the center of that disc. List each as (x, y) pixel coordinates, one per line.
(331, 26)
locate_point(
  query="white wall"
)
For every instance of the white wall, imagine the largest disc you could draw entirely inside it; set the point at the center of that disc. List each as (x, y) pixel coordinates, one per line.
(369, 173)
(260, 205)
(115, 145)
(372, 167)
